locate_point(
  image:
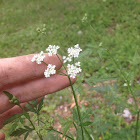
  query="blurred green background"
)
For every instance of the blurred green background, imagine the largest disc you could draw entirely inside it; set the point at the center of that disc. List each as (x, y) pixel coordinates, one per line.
(104, 29)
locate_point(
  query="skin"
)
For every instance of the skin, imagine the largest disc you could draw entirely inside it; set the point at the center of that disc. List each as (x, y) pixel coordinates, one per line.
(24, 79)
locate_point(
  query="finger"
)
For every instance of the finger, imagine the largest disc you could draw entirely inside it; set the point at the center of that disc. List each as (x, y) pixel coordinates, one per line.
(20, 69)
(34, 89)
(2, 136)
(13, 111)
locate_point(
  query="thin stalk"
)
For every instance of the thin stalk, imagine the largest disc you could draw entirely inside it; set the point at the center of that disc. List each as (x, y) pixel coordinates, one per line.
(75, 98)
(137, 125)
(61, 62)
(87, 133)
(75, 125)
(39, 135)
(56, 131)
(62, 133)
(38, 119)
(78, 110)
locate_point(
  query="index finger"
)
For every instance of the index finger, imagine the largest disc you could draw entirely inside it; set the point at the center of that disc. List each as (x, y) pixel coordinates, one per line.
(20, 69)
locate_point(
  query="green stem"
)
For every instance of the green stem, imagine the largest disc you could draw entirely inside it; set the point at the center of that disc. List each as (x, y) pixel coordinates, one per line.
(39, 135)
(61, 133)
(61, 62)
(75, 98)
(56, 131)
(38, 118)
(137, 125)
(78, 110)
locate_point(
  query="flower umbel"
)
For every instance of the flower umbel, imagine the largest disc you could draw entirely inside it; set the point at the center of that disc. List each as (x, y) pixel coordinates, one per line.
(73, 70)
(38, 58)
(50, 70)
(73, 52)
(52, 49)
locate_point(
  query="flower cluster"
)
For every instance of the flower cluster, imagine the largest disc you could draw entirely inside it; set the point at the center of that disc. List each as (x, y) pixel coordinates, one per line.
(38, 58)
(73, 52)
(73, 70)
(50, 70)
(52, 49)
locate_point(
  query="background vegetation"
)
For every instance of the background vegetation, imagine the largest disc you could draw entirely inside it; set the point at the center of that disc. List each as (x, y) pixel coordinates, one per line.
(108, 31)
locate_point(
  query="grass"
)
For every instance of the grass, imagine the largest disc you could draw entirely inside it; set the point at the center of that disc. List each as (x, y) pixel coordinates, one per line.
(111, 26)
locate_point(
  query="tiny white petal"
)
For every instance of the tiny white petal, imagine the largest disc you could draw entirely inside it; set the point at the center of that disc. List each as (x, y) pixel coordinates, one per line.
(38, 58)
(73, 70)
(74, 51)
(52, 49)
(50, 70)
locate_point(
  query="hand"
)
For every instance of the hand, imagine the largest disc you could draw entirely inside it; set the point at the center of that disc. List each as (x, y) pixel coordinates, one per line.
(24, 79)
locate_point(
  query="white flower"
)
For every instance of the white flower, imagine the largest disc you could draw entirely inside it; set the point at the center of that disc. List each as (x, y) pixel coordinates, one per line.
(69, 59)
(50, 70)
(38, 58)
(72, 52)
(127, 114)
(73, 70)
(52, 49)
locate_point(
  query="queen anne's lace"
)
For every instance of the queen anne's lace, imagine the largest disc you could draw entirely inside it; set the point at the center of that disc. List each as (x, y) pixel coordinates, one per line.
(73, 70)
(38, 58)
(50, 70)
(52, 49)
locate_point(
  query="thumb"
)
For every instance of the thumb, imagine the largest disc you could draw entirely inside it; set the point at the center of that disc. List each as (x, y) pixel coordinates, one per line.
(2, 136)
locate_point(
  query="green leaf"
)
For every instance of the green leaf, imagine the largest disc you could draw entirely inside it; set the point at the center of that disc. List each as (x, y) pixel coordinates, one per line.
(26, 135)
(78, 134)
(86, 123)
(75, 116)
(28, 128)
(12, 118)
(86, 114)
(86, 52)
(19, 132)
(40, 105)
(30, 108)
(26, 114)
(68, 125)
(8, 94)
(33, 102)
(101, 89)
